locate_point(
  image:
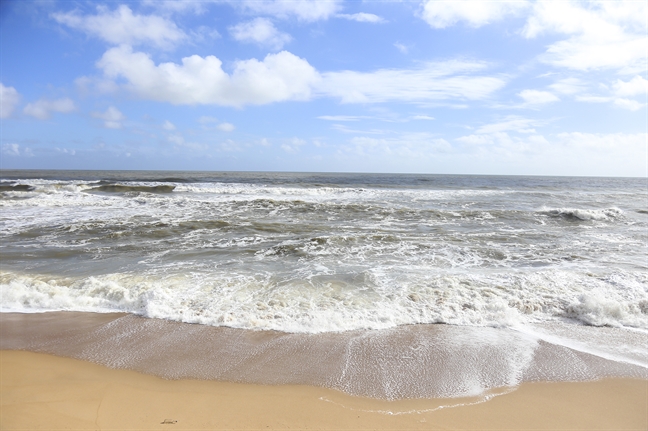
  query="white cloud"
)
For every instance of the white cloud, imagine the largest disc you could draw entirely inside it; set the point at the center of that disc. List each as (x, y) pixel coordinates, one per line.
(619, 102)
(284, 76)
(293, 145)
(601, 34)
(637, 86)
(344, 129)
(9, 99)
(605, 141)
(230, 146)
(594, 99)
(629, 104)
(404, 49)
(113, 118)
(432, 82)
(122, 26)
(205, 119)
(11, 149)
(537, 97)
(342, 117)
(43, 108)
(579, 153)
(503, 144)
(69, 151)
(168, 125)
(511, 123)
(166, 6)
(475, 13)
(226, 127)
(386, 118)
(260, 31)
(362, 17)
(201, 80)
(303, 10)
(568, 86)
(176, 139)
(408, 145)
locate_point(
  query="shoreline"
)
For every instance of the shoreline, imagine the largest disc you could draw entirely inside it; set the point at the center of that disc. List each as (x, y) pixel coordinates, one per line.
(41, 391)
(406, 362)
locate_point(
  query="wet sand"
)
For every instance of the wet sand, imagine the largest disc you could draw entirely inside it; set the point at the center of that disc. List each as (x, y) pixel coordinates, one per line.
(40, 391)
(417, 361)
(68, 370)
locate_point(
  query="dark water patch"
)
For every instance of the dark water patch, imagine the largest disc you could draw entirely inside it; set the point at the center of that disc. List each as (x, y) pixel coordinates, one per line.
(118, 188)
(16, 188)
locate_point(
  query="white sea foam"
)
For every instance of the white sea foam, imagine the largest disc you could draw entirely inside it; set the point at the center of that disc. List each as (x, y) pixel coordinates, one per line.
(327, 303)
(584, 214)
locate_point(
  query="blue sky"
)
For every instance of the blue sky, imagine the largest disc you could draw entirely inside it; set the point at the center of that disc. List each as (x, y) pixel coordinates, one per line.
(465, 87)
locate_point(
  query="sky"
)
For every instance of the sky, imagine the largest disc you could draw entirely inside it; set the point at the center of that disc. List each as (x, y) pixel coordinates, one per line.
(421, 86)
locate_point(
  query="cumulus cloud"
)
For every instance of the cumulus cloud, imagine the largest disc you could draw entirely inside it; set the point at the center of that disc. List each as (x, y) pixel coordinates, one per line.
(475, 13)
(168, 125)
(537, 97)
(362, 17)
(112, 117)
(122, 26)
(260, 31)
(43, 108)
(601, 35)
(9, 99)
(431, 82)
(201, 80)
(285, 77)
(303, 10)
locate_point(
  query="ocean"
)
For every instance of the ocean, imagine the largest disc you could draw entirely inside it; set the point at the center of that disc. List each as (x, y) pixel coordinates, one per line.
(383, 285)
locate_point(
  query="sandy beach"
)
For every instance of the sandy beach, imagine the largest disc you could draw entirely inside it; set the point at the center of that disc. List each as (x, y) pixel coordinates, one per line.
(66, 370)
(40, 391)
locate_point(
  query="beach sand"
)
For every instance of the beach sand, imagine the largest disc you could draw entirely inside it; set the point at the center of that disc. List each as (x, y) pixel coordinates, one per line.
(40, 391)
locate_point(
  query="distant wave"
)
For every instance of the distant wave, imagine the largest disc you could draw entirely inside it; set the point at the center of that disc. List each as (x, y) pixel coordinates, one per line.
(584, 214)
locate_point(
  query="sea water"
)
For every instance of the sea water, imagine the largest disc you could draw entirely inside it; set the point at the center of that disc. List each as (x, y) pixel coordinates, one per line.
(514, 261)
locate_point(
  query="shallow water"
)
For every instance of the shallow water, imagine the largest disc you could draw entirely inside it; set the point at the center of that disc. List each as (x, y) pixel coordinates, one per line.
(411, 361)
